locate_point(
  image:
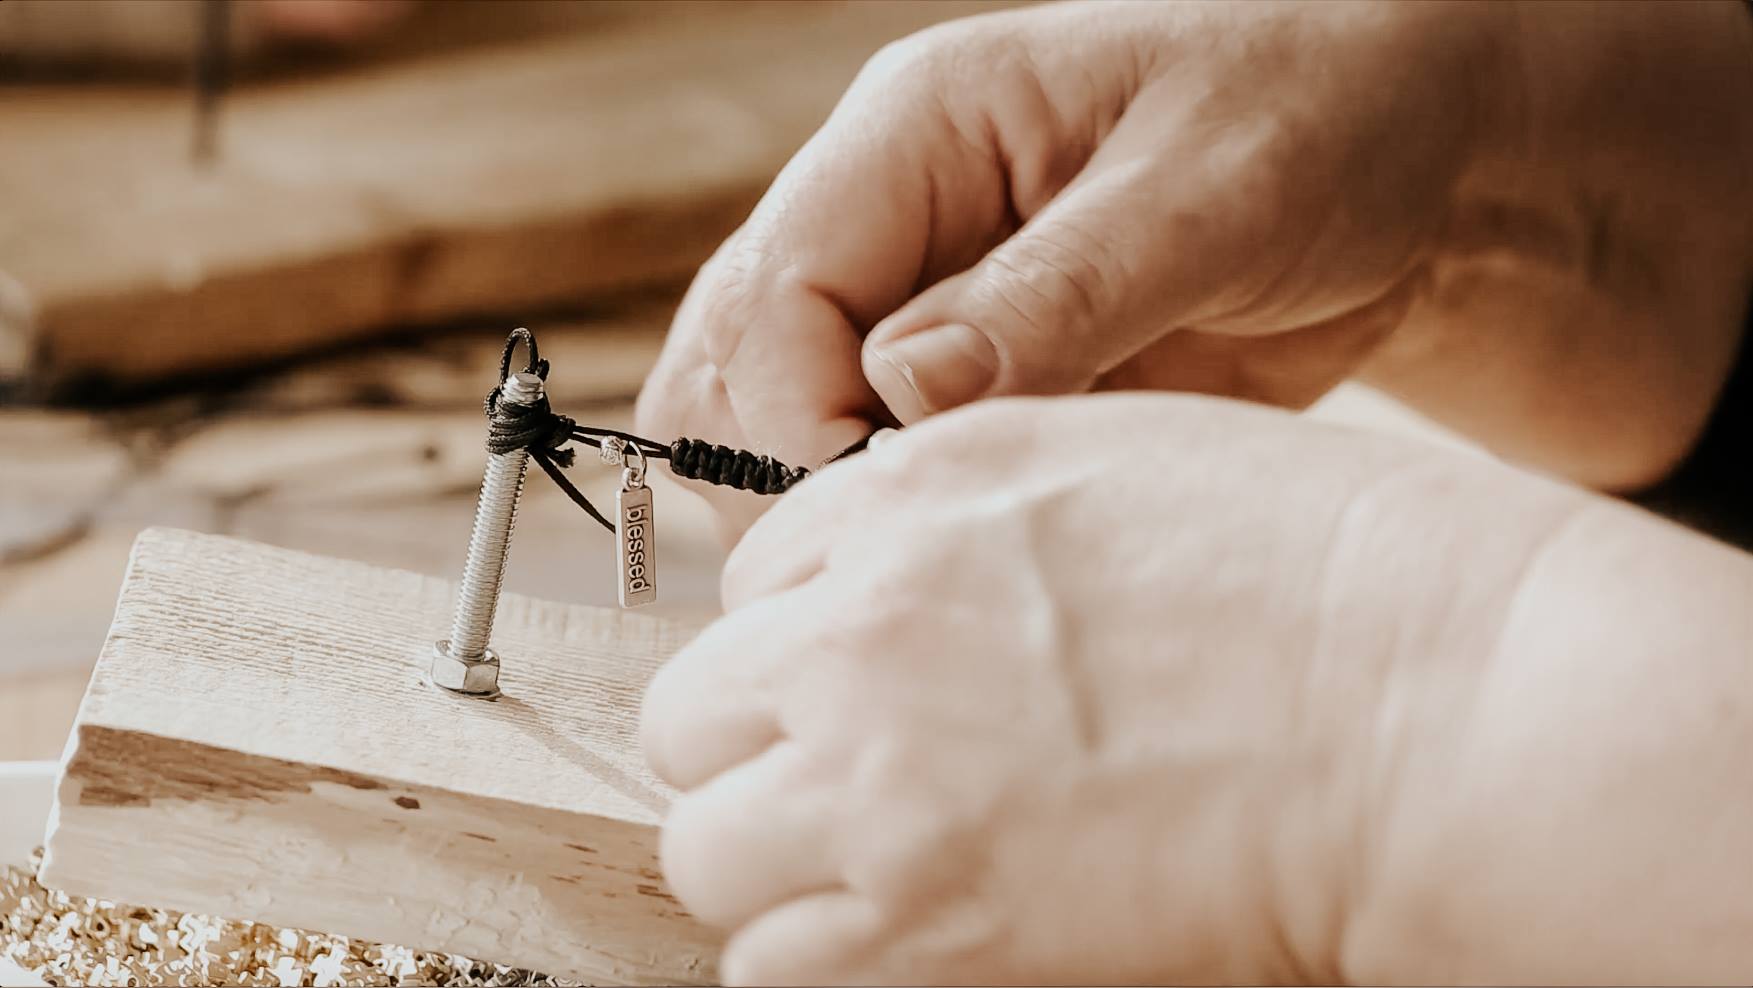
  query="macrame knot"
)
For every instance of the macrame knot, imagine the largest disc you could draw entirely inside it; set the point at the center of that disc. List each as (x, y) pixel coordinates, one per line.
(535, 427)
(697, 459)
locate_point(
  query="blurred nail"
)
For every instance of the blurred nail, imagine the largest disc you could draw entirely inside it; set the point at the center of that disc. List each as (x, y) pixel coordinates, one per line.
(933, 370)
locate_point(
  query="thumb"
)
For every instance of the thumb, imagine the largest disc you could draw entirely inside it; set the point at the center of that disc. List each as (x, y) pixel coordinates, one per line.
(1138, 244)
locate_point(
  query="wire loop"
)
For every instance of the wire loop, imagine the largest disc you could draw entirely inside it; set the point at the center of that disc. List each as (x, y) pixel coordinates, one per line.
(633, 474)
(536, 365)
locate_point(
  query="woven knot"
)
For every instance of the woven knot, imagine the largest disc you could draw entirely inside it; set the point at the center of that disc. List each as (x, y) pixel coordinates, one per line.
(534, 427)
(697, 459)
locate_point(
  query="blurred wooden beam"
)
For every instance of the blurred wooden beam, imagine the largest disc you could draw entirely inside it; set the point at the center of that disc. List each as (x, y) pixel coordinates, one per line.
(257, 742)
(491, 180)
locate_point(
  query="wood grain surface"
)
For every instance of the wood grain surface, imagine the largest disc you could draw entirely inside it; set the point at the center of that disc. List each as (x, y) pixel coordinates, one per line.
(258, 742)
(479, 181)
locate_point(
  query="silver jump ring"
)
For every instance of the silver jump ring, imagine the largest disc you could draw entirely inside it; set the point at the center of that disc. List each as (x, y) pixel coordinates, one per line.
(633, 475)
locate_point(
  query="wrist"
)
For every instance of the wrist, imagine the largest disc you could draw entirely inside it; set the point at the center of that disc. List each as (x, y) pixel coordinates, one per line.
(1578, 822)
(1430, 576)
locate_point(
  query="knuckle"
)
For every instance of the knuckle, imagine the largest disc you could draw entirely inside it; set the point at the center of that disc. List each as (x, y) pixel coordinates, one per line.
(1048, 288)
(894, 861)
(921, 56)
(937, 80)
(936, 66)
(888, 608)
(732, 296)
(1275, 176)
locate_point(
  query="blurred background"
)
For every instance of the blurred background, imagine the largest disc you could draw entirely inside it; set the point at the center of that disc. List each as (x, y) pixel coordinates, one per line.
(257, 259)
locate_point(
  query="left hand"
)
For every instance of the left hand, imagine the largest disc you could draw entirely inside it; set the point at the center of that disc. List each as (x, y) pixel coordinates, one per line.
(1103, 689)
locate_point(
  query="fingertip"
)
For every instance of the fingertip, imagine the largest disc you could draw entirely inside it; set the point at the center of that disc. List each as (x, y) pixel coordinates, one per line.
(692, 865)
(945, 366)
(758, 834)
(686, 749)
(712, 705)
(894, 383)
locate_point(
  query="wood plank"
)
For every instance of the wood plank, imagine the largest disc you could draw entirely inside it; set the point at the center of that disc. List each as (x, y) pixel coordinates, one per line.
(484, 181)
(257, 742)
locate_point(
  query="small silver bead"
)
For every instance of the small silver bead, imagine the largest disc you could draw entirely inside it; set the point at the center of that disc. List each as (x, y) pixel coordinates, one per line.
(613, 450)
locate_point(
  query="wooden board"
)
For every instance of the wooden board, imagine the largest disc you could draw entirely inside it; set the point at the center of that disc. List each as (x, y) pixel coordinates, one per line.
(258, 742)
(485, 181)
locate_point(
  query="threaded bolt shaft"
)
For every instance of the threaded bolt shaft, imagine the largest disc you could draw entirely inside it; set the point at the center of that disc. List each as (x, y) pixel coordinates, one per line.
(484, 570)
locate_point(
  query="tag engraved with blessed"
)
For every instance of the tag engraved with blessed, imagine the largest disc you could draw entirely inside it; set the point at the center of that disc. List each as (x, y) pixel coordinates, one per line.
(638, 556)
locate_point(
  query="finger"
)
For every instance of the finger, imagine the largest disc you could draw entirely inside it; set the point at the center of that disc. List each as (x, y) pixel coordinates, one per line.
(715, 703)
(1155, 232)
(886, 190)
(684, 395)
(755, 836)
(944, 143)
(823, 939)
(790, 544)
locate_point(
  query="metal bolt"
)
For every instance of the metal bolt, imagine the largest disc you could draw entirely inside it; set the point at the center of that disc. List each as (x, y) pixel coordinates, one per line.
(463, 663)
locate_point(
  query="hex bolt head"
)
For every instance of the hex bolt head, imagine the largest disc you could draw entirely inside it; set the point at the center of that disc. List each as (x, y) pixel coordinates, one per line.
(474, 678)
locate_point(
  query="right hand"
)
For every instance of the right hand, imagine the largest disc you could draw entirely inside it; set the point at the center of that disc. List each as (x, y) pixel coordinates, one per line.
(1528, 222)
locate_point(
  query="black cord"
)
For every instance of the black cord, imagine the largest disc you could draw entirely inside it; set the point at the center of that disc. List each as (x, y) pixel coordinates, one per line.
(544, 433)
(698, 459)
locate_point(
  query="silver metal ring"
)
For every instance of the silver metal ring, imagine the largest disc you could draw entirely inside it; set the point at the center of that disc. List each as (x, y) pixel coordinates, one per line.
(633, 476)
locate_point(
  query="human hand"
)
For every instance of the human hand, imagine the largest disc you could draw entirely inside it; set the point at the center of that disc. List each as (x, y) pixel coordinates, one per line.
(1109, 690)
(1528, 221)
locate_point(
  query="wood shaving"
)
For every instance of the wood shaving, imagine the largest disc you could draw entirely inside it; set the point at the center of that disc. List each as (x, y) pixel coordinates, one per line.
(66, 940)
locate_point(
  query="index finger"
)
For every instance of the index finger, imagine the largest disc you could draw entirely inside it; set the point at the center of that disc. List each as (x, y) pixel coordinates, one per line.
(888, 193)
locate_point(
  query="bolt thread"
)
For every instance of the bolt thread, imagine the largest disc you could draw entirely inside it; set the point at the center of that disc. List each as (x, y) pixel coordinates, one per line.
(490, 540)
(489, 544)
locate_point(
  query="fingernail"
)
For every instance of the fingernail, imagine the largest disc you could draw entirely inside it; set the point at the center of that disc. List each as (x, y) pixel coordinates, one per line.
(933, 369)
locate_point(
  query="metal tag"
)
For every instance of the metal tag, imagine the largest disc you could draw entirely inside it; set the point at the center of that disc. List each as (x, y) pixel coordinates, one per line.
(633, 531)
